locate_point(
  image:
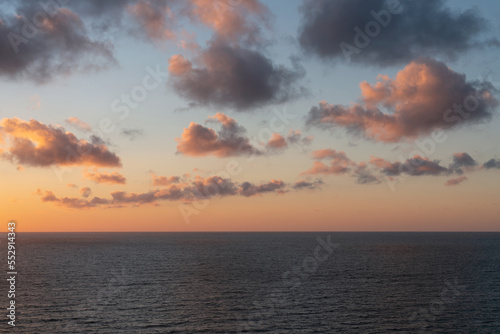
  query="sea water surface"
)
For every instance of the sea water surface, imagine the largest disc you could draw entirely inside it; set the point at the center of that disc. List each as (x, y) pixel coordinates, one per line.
(255, 283)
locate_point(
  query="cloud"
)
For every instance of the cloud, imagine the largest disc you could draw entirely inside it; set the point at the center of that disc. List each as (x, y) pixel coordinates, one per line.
(156, 19)
(277, 142)
(456, 181)
(295, 137)
(43, 40)
(339, 164)
(78, 123)
(492, 163)
(234, 77)
(364, 175)
(232, 71)
(36, 144)
(230, 140)
(415, 166)
(383, 32)
(303, 184)
(165, 180)
(71, 185)
(106, 178)
(248, 189)
(195, 189)
(231, 20)
(373, 171)
(132, 134)
(72, 202)
(37, 46)
(426, 95)
(461, 160)
(85, 192)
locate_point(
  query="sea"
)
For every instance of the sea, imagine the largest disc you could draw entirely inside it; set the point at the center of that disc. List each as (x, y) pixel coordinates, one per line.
(315, 282)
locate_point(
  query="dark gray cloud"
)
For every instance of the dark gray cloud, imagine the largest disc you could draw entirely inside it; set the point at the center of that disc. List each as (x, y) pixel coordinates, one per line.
(415, 166)
(492, 163)
(231, 76)
(385, 32)
(38, 43)
(364, 175)
(132, 134)
(248, 189)
(460, 161)
(303, 184)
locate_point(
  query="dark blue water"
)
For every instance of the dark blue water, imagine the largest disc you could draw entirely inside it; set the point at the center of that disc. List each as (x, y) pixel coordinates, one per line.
(256, 283)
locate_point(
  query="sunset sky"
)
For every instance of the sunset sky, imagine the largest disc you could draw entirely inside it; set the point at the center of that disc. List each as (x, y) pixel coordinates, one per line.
(248, 115)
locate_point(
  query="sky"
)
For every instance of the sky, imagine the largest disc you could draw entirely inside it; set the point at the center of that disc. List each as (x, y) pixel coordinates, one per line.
(249, 115)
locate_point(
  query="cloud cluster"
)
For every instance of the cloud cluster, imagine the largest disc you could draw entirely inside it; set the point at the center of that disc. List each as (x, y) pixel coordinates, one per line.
(230, 140)
(197, 188)
(42, 40)
(376, 169)
(36, 144)
(426, 95)
(233, 70)
(386, 32)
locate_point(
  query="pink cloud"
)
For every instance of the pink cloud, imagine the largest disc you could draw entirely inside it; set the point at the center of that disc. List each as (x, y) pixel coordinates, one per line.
(456, 181)
(106, 178)
(198, 140)
(36, 144)
(426, 95)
